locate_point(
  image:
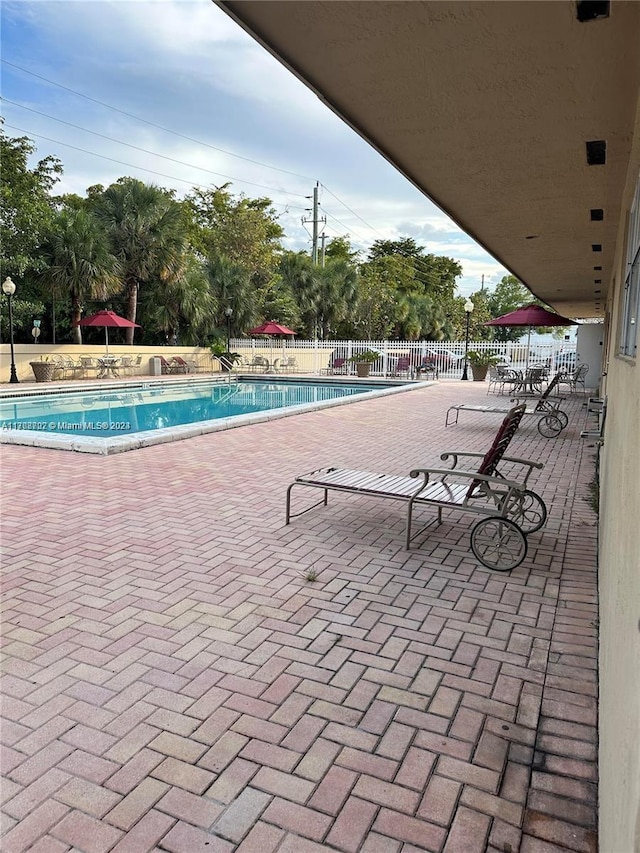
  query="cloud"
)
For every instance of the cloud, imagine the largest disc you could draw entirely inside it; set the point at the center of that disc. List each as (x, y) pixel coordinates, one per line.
(186, 66)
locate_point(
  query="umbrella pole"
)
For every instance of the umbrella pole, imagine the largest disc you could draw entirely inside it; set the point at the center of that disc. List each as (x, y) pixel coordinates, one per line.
(106, 337)
(526, 367)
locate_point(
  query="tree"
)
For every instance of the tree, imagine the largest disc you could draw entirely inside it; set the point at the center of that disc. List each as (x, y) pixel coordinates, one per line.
(481, 315)
(421, 317)
(433, 276)
(438, 274)
(277, 303)
(231, 287)
(389, 277)
(25, 311)
(374, 315)
(340, 247)
(406, 247)
(146, 229)
(336, 295)
(78, 263)
(243, 230)
(301, 278)
(183, 305)
(508, 295)
(26, 207)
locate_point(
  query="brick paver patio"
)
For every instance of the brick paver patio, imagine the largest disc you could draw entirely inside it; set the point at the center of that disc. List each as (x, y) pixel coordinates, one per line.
(176, 680)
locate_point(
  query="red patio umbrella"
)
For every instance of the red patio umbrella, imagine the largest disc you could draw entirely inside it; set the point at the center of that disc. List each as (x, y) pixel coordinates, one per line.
(531, 316)
(108, 319)
(271, 328)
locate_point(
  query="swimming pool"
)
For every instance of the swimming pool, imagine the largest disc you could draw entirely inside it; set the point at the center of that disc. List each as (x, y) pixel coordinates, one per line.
(126, 416)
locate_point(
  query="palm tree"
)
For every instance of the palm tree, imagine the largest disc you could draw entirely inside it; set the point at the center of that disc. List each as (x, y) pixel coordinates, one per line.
(182, 304)
(231, 287)
(79, 263)
(301, 278)
(420, 316)
(337, 294)
(146, 230)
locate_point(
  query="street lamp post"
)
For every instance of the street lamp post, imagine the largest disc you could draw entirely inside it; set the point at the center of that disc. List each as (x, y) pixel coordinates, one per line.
(228, 312)
(468, 308)
(9, 289)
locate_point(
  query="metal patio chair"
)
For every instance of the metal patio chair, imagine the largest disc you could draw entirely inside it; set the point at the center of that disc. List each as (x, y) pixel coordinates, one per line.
(575, 378)
(502, 379)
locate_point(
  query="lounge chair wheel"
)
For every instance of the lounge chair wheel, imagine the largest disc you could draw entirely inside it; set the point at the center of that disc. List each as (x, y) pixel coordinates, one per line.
(527, 510)
(550, 426)
(499, 544)
(564, 418)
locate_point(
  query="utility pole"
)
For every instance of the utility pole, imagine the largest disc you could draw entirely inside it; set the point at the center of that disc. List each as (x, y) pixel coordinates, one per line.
(314, 245)
(323, 237)
(314, 220)
(482, 287)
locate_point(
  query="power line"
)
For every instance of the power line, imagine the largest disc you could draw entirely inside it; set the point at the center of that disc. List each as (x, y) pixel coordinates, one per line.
(419, 261)
(357, 215)
(153, 124)
(415, 258)
(349, 230)
(146, 151)
(119, 162)
(171, 159)
(182, 136)
(182, 180)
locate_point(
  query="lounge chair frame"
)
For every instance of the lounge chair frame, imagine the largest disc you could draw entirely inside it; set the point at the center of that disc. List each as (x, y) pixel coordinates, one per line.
(551, 418)
(510, 509)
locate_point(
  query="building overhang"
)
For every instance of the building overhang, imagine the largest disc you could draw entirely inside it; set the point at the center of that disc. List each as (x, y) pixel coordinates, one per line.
(489, 109)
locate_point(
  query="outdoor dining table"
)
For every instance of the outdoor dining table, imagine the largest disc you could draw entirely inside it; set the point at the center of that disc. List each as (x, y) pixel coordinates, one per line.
(529, 381)
(107, 366)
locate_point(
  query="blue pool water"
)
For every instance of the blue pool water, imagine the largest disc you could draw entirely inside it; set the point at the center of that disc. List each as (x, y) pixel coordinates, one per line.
(106, 413)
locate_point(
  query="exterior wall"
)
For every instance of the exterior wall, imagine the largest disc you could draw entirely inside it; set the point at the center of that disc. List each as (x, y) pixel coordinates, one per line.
(619, 589)
(589, 351)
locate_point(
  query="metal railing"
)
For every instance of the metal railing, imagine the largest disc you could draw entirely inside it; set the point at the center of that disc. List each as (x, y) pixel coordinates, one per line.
(226, 366)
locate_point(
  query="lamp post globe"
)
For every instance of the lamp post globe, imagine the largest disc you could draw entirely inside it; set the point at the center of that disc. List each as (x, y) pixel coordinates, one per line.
(9, 288)
(228, 312)
(468, 308)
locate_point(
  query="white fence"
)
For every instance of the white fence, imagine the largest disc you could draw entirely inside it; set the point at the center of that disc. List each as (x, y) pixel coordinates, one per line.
(449, 357)
(312, 357)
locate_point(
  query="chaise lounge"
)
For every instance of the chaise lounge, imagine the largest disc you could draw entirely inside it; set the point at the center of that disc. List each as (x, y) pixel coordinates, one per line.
(551, 418)
(510, 509)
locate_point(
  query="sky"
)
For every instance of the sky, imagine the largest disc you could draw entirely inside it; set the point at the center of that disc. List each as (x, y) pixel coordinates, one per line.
(173, 92)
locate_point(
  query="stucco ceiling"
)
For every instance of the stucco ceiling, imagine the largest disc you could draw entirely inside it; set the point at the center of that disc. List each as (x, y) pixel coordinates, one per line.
(487, 108)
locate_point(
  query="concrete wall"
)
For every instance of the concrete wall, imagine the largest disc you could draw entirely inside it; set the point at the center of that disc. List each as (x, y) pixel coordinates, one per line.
(308, 360)
(24, 353)
(619, 588)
